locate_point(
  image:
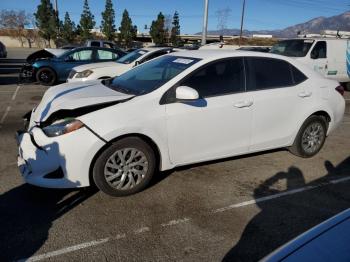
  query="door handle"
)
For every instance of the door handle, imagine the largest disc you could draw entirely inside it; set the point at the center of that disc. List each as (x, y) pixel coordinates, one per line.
(242, 104)
(305, 94)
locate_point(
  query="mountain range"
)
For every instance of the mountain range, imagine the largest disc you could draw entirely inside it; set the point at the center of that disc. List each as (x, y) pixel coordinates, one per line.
(339, 22)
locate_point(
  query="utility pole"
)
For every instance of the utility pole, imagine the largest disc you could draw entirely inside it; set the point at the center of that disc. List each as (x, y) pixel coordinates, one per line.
(242, 19)
(57, 17)
(205, 22)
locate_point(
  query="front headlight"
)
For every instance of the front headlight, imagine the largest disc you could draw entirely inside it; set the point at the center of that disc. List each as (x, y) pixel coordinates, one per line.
(62, 127)
(83, 74)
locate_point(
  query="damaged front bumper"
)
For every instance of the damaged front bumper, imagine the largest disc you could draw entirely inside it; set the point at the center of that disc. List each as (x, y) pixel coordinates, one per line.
(56, 162)
(27, 73)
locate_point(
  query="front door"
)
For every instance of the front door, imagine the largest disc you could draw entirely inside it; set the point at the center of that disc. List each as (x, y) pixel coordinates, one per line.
(318, 57)
(218, 124)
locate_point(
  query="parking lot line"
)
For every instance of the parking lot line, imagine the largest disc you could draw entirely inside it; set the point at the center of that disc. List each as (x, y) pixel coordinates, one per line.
(66, 250)
(5, 115)
(15, 93)
(182, 220)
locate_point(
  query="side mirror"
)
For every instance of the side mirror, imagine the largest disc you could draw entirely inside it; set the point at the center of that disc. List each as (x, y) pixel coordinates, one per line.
(137, 63)
(186, 93)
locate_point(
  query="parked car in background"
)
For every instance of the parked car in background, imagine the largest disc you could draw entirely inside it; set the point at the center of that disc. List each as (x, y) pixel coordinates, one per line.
(327, 56)
(3, 51)
(50, 66)
(326, 242)
(178, 109)
(116, 68)
(264, 49)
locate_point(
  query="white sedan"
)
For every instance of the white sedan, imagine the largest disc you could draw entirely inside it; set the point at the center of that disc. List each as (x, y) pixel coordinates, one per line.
(178, 109)
(115, 68)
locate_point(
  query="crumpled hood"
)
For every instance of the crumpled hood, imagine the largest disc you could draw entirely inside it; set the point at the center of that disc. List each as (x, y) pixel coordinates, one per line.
(46, 53)
(74, 96)
(100, 65)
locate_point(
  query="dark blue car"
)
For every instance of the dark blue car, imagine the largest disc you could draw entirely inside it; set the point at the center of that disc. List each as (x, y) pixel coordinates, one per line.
(327, 242)
(55, 68)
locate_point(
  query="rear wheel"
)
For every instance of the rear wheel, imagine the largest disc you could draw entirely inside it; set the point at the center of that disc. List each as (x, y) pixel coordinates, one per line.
(125, 167)
(310, 137)
(46, 76)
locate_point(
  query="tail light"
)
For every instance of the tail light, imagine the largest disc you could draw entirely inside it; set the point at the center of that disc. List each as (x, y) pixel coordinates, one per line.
(340, 89)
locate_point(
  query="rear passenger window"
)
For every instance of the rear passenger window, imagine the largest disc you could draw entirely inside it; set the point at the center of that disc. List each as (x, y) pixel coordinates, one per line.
(106, 55)
(267, 73)
(219, 78)
(297, 75)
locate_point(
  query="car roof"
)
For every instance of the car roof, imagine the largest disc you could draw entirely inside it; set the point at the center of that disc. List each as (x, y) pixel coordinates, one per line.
(317, 38)
(153, 49)
(213, 54)
(95, 47)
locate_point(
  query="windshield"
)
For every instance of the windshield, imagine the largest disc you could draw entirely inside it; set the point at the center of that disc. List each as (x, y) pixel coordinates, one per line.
(294, 48)
(131, 57)
(151, 75)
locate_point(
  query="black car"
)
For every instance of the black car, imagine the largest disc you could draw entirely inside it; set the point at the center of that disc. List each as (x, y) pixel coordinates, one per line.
(3, 51)
(50, 66)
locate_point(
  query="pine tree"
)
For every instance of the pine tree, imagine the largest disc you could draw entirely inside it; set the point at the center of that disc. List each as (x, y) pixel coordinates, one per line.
(157, 30)
(127, 30)
(46, 20)
(108, 18)
(175, 30)
(87, 21)
(68, 29)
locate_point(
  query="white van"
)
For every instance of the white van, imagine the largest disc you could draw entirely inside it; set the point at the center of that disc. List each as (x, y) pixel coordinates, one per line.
(328, 56)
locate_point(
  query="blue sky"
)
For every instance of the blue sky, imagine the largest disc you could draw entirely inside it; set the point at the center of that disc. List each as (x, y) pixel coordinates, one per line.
(260, 14)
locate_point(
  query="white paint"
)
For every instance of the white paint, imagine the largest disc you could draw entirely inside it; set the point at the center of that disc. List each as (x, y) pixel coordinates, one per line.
(66, 250)
(15, 93)
(5, 114)
(286, 193)
(175, 222)
(142, 230)
(177, 129)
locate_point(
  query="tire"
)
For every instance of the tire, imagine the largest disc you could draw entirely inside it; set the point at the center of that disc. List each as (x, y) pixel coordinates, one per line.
(46, 76)
(310, 138)
(117, 174)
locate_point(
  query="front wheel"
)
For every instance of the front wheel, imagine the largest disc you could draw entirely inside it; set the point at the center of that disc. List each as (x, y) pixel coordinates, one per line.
(125, 167)
(46, 76)
(310, 137)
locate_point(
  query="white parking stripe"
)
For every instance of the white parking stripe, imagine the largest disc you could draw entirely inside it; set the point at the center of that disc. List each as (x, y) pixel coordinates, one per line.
(66, 250)
(181, 220)
(175, 222)
(286, 193)
(5, 115)
(15, 93)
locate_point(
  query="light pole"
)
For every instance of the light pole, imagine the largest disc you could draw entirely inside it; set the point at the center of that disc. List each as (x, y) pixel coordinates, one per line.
(57, 17)
(242, 20)
(205, 22)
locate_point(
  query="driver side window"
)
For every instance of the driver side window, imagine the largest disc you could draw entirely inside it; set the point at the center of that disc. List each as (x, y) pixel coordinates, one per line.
(218, 78)
(320, 50)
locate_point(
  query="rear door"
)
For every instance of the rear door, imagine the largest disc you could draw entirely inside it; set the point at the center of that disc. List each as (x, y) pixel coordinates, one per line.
(279, 98)
(218, 124)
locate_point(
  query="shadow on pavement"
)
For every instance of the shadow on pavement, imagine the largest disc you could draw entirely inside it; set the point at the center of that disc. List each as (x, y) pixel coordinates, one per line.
(27, 214)
(283, 219)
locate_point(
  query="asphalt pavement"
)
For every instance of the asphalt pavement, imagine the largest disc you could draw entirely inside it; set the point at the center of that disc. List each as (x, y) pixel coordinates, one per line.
(236, 209)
